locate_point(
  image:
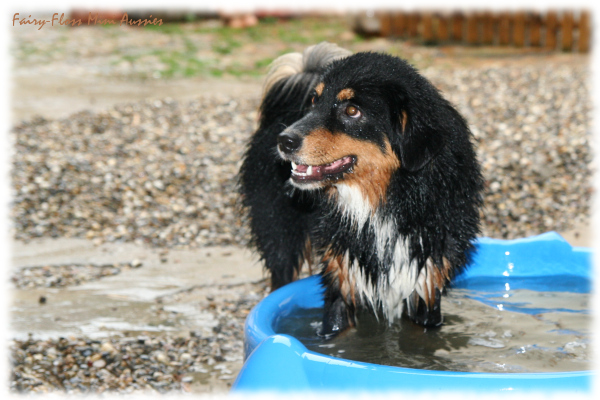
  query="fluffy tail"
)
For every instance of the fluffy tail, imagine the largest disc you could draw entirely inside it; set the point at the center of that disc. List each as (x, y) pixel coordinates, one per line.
(295, 66)
(292, 76)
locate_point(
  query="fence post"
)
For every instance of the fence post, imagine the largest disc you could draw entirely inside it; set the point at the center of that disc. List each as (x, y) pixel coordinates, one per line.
(385, 20)
(519, 30)
(472, 29)
(399, 24)
(567, 31)
(443, 31)
(584, 32)
(427, 27)
(504, 29)
(551, 25)
(488, 28)
(413, 24)
(535, 30)
(457, 26)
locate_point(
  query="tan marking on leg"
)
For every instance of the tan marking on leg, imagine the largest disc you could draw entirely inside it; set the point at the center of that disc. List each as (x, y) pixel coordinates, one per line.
(307, 256)
(345, 94)
(319, 88)
(426, 291)
(372, 171)
(352, 283)
(337, 269)
(436, 277)
(413, 302)
(446, 269)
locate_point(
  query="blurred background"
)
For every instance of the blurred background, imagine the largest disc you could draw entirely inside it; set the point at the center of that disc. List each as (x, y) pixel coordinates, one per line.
(130, 269)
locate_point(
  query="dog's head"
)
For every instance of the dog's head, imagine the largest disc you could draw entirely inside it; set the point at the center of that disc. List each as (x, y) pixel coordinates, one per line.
(371, 115)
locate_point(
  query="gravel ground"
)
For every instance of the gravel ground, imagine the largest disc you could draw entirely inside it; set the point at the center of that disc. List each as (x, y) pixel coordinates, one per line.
(160, 173)
(532, 127)
(164, 173)
(157, 363)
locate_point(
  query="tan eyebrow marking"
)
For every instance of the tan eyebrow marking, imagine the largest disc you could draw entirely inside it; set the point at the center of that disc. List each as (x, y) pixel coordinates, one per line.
(319, 88)
(345, 94)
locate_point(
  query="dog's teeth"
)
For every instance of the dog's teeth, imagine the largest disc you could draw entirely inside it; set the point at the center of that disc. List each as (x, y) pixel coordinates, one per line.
(294, 165)
(309, 170)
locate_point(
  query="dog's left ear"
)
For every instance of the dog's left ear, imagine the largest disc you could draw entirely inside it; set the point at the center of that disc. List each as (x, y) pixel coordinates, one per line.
(420, 137)
(423, 121)
(420, 141)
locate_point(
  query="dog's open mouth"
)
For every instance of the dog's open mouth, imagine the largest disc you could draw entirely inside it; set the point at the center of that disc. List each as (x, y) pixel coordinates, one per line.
(304, 173)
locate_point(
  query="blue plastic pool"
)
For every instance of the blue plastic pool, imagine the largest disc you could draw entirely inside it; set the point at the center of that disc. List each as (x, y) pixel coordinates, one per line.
(277, 362)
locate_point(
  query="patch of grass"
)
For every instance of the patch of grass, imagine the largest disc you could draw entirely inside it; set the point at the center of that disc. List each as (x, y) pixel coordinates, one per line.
(131, 57)
(183, 64)
(189, 45)
(226, 46)
(269, 20)
(286, 51)
(216, 72)
(194, 67)
(293, 31)
(233, 50)
(169, 29)
(263, 63)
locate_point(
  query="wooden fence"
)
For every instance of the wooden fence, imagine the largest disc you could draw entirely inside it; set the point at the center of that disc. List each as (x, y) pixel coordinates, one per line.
(553, 30)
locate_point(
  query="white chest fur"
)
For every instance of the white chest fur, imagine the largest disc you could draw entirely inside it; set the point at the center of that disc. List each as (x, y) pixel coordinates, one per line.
(392, 288)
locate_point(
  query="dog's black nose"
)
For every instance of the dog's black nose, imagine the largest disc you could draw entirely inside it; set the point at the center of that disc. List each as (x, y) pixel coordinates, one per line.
(289, 142)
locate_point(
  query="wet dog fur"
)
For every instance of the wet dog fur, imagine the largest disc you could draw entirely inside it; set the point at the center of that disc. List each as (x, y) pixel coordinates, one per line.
(361, 169)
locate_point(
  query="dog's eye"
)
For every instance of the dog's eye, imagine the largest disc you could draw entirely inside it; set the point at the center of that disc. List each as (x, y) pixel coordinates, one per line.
(353, 112)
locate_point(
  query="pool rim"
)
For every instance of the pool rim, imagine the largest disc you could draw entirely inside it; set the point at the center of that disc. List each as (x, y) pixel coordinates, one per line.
(259, 331)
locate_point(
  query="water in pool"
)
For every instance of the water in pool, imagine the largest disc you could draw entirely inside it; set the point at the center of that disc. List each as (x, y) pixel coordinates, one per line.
(484, 330)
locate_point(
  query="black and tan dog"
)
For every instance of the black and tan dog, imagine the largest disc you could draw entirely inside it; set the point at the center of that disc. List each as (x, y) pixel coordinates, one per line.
(361, 167)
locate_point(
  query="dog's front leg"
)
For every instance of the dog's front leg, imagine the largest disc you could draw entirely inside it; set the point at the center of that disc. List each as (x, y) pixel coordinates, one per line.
(339, 307)
(337, 316)
(428, 314)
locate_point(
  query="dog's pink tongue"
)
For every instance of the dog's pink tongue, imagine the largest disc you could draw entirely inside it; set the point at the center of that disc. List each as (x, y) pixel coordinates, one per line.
(301, 168)
(337, 165)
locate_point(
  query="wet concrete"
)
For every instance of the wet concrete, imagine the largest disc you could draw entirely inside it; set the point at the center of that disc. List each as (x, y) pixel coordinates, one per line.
(176, 279)
(581, 235)
(136, 300)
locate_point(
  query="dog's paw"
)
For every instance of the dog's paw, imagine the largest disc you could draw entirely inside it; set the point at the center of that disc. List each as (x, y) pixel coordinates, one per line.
(420, 313)
(335, 319)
